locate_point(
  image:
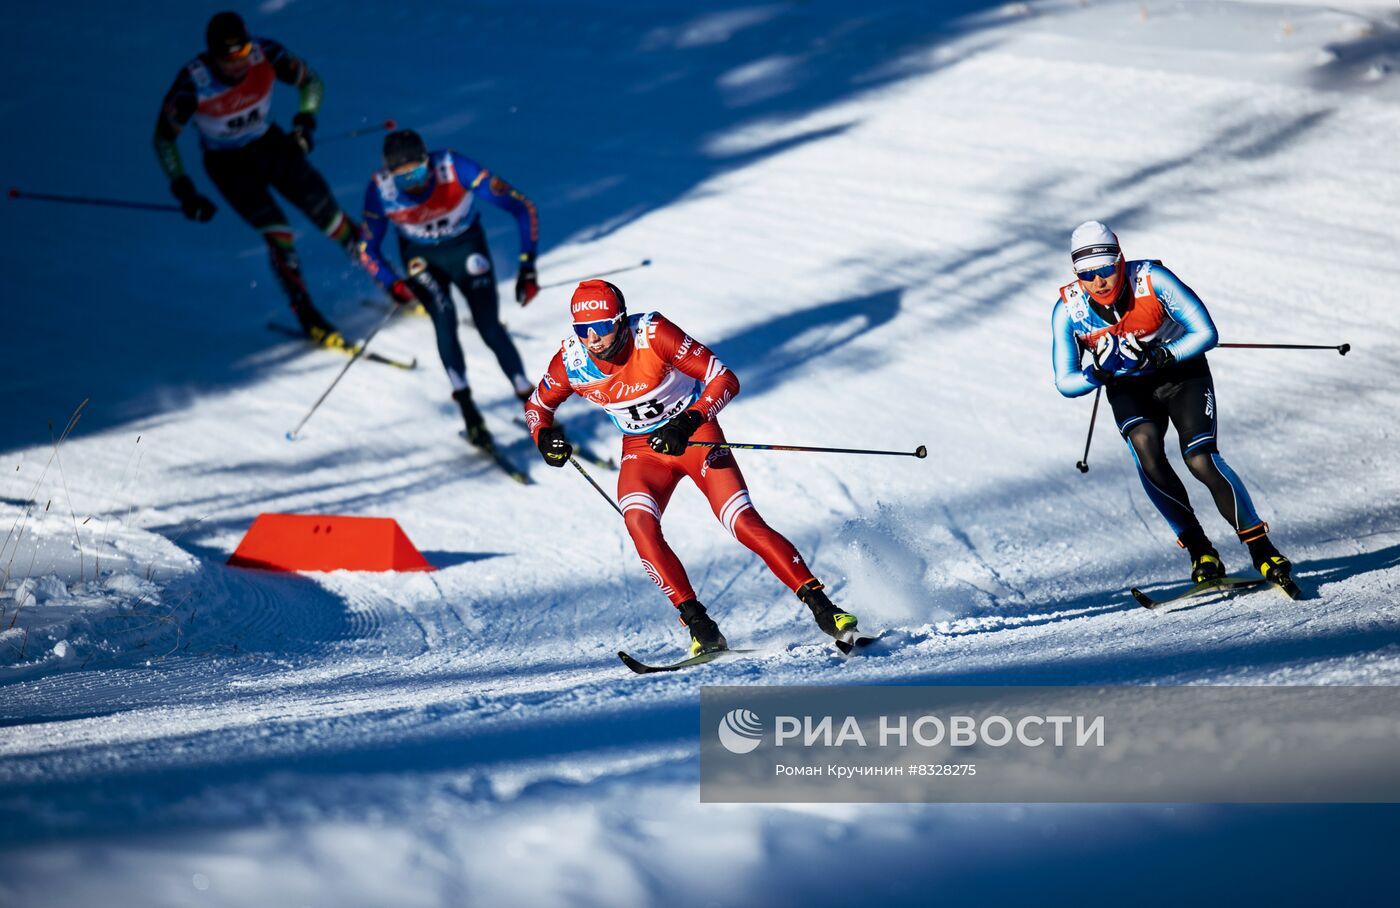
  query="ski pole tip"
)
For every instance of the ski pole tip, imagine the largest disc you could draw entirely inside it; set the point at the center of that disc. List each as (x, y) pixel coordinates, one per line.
(291, 436)
(391, 124)
(646, 263)
(1081, 466)
(14, 192)
(1344, 349)
(921, 452)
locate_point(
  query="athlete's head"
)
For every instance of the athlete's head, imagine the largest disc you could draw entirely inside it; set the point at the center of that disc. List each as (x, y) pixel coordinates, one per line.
(406, 157)
(1097, 261)
(600, 314)
(229, 45)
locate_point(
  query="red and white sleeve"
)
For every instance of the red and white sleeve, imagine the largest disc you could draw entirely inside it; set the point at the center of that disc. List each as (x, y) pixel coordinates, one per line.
(699, 362)
(552, 391)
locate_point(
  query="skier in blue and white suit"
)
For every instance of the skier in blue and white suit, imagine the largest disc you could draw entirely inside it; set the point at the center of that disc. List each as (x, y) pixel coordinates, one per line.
(1147, 334)
(431, 200)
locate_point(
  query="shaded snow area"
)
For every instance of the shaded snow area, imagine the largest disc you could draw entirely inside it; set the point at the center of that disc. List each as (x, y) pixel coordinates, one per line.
(865, 210)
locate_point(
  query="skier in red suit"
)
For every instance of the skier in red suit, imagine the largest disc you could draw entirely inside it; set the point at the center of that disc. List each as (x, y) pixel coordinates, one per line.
(662, 388)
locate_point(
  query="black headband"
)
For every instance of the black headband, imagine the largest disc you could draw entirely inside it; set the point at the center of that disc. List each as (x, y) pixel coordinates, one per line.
(1085, 252)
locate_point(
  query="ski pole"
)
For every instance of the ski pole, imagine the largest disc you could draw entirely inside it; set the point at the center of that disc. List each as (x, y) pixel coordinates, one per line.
(1342, 349)
(361, 131)
(606, 497)
(92, 200)
(1083, 465)
(919, 452)
(644, 263)
(364, 345)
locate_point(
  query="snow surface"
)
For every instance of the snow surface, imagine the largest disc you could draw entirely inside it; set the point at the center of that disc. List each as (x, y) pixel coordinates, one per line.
(865, 210)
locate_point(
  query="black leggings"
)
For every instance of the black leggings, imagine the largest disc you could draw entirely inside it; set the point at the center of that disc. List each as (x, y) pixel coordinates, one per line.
(245, 177)
(1184, 395)
(465, 262)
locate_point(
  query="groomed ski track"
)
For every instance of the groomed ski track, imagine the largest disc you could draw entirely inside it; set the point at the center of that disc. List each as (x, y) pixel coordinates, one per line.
(865, 213)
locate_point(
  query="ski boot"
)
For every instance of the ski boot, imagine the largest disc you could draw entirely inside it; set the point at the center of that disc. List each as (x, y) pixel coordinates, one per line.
(477, 433)
(1207, 566)
(1273, 566)
(841, 626)
(331, 339)
(314, 325)
(704, 633)
(1205, 560)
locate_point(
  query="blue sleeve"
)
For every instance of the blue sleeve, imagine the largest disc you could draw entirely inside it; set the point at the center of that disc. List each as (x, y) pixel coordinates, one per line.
(1187, 310)
(505, 197)
(376, 227)
(1069, 377)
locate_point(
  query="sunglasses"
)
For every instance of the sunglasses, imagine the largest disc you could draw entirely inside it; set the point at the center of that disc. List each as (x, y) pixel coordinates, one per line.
(412, 179)
(233, 54)
(1105, 272)
(601, 328)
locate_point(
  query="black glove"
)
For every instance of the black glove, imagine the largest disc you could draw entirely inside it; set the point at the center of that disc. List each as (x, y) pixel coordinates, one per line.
(673, 437)
(304, 129)
(1156, 357)
(553, 448)
(195, 206)
(527, 280)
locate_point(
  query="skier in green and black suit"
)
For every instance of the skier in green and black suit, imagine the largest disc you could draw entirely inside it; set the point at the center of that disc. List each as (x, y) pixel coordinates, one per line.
(227, 92)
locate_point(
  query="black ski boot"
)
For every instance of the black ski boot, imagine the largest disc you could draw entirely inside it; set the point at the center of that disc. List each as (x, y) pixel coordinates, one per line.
(1205, 560)
(313, 324)
(704, 633)
(477, 433)
(840, 625)
(1274, 567)
(317, 330)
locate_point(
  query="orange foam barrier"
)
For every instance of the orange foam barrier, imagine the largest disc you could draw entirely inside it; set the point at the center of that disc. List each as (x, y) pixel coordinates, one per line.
(325, 542)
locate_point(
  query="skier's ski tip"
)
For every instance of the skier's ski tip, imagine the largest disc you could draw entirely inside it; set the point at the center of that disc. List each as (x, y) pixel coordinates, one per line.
(854, 641)
(642, 668)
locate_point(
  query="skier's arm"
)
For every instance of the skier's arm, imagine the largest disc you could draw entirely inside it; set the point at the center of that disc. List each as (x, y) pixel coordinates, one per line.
(375, 228)
(552, 391)
(293, 70)
(507, 198)
(1187, 310)
(1069, 379)
(175, 111)
(696, 360)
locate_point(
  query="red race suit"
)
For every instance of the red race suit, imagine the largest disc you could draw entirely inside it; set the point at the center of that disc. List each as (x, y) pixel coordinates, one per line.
(659, 373)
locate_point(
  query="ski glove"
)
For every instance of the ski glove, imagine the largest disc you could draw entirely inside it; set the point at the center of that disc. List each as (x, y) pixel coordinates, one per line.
(1117, 355)
(673, 437)
(195, 206)
(527, 280)
(1098, 377)
(303, 130)
(1156, 357)
(402, 293)
(553, 448)
(1106, 361)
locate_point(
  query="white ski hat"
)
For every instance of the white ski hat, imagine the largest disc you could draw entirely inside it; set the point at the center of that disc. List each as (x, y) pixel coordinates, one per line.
(1092, 244)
